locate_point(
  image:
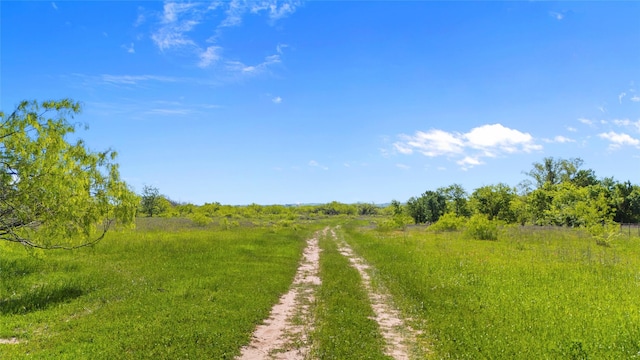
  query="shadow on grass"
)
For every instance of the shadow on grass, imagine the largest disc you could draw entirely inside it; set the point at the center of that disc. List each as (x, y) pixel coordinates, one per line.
(39, 298)
(17, 268)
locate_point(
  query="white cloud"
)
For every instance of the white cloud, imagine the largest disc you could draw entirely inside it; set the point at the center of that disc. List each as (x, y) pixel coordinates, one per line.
(635, 98)
(176, 25)
(572, 129)
(561, 139)
(238, 67)
(277, 100)
(209, 56)
(276, 10)
(619, 139)
(172, 10)
(495, 137)
(168, 112)
(621, 96)
(628, 123)
(433, 143)
(622, 122)
(469, 162)
(130, 48)
(602, 109)
(284, 10)
(178, 19)
(484, 141)
(280, 48)
(403, 166)
(556, 15)
(173, 36)
(234, 13)
(315, 164)
(400, 147)
(586, 121)
(54, 6)
(134, 79)
(141, 17)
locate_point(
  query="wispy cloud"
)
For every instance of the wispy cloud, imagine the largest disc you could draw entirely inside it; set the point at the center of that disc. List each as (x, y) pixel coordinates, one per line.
(276, 9)
(586, 121)
(469, 148)
(137, 110)
(277, 100)
(403, 166)
(135, 79)
(621, 96)
(556, 15)
(239, 68)
(618, 140)
(141, 17)
(280, 48)
(469, 162)
(559, 139)
(235, 10)
(132, 81)
(432, 143)
(627, 123)
(168, 112)
(209, 56)
(315, 164)
(129, 48)
(635, 98)
(178, 21)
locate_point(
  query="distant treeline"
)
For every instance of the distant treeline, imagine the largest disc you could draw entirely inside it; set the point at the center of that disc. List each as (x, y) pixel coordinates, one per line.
(556, 192)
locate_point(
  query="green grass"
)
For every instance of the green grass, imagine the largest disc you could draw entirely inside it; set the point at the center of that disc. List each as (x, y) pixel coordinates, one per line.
(158, 294)
(529, 295)
(172, 289)
(345, 328)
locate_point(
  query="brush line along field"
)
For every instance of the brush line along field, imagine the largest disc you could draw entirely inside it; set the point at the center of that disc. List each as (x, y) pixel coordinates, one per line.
(177, 291)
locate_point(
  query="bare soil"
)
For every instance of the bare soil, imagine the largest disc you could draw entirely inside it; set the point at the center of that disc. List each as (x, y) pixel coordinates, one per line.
(9, 341)
(284, 335)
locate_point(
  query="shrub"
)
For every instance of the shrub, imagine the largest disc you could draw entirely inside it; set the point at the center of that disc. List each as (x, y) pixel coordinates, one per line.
(604, 232)
(200, 219)
(481, 228)
(449, 222)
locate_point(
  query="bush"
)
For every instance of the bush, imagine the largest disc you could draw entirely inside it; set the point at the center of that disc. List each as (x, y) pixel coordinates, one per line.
(604, 232)
(200, 219)
(449, 222)
(481, 228)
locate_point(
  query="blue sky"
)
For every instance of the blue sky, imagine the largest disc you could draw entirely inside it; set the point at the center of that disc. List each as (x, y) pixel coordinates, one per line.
(279, 102)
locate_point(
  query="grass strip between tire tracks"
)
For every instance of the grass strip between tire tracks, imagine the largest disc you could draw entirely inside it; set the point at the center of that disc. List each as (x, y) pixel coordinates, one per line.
(345, 326)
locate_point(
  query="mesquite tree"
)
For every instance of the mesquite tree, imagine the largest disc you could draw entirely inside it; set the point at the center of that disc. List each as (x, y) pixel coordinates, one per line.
(55, 193)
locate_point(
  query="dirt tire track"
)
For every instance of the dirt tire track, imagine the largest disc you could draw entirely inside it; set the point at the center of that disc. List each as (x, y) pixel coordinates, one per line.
(399, 336)
(284, 335)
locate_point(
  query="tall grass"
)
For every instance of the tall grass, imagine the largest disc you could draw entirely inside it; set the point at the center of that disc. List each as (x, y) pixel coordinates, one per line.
(530, 295)
(184, 293)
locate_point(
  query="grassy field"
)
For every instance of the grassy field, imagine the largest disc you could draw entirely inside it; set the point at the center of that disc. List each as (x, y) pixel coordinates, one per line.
(532, 294)
(166, 290)
(171, 289)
